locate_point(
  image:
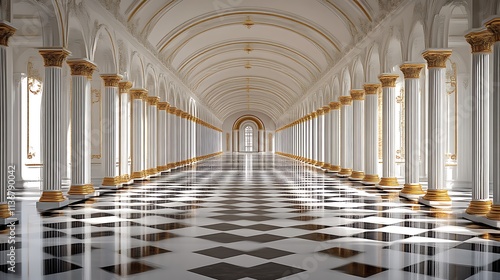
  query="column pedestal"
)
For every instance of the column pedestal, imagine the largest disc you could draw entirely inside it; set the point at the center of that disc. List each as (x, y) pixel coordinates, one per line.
(371, 137)
(52, 196)
(437, 194)
(389, 182)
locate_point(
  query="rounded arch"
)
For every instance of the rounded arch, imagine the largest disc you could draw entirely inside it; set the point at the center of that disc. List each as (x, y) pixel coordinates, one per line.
(416, 42)
(77, 42)
(137, 70)
(358, 74)
(373, 64)
(104, 52)
(253, 118)
(393, 55)
(162, 88)
(151, 82)
(346, 82)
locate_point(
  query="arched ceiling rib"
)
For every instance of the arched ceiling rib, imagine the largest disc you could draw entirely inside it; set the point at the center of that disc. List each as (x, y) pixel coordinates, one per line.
(267, 67)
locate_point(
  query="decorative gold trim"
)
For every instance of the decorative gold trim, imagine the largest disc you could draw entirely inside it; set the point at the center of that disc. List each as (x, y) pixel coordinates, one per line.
(335, 105)
(111, 80)
(358, 94)
(480, 41)
(4, 211)
(138, 93)
(107, 181)
(494, 213)
(335, 168)
(125, 86)
(388, 80)
(414, 189)
(345, 172)
(138, 175)
(82, 68)
(52, 196)
(81, 190)
(436, 58)
(345, 100)
(358, 175)
(389, 181)
(163, 106)
(411, 70)
(6, 31)
(153, 100)
(494, 27)
(437, 195)
(372, 88)
(54, 57)
(371, 179)
(479, 207)
(125, 178)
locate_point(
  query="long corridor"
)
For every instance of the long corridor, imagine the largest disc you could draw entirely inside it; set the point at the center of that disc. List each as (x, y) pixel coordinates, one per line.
(250, 216)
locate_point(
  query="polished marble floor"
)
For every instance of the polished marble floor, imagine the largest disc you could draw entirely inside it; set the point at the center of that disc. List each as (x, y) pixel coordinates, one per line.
(249, 216)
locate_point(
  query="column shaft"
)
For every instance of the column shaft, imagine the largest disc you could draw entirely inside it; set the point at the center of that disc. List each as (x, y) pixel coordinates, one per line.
(137, 98)
(358, 97)
(335, 142)
(124, 130)
(371, 136)
(346, 136)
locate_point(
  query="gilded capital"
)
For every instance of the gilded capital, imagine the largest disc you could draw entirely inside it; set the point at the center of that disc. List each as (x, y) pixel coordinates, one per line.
(326, 109)
(388, 80)
(345, 100)
(436, 58)
(480, 41)
(153, 100)
(178, 112)
(494, 27)
(81, 67)
(358, 94)
(163, 106)
(335, 105)
(125, 86)
(53, 57)
(138, 93)
(111, 80)
(372, 88)
(411, 70)
(319, 112)
(172, 110)
(6, 31)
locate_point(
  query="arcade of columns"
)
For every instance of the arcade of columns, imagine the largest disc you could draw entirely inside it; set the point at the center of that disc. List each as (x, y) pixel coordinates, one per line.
(162, 137)
(348, 144)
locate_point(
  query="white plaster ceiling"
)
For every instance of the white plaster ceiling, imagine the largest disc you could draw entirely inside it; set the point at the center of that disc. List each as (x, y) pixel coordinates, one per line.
(291, 42)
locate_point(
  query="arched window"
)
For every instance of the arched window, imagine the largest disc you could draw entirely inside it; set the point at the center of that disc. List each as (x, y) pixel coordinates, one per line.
(248, 138)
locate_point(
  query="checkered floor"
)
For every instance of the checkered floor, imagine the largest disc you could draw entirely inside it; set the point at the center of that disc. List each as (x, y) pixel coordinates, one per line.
(250, 216)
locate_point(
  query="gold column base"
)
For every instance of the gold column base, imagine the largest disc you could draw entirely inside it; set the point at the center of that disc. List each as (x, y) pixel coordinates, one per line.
(335, 168)
(415, 189)
(327, 166)
(138, 175)
(107, 181)
(4, 211)
(390, 182)
(345, 172)
(125, 178)
(81, 190)
(437, 195)
(371, 179)
(152, 171)
(494, 213)
(358, 175)
(479, 207)
(52, 196)
(319, 164)
(162, 168)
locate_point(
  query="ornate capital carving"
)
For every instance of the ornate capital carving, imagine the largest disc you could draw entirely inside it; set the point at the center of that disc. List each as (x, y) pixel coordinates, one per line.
(436, 58)
(82, 68)
(172, 110)
(54, 57)
(163, 106)
(494, 27)
(153, 100)
(138, 93)
(372, 88)
(335, 105)
(411, 70)
(388, 80)
(358, 94)
(326, 109)
(125, 86)
(6, 31)
(345, 100)
(480, 41)
(178, 112)
(111, 80)
(319, 112)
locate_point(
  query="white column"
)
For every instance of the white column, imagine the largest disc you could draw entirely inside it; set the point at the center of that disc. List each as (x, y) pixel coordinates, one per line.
(124, 88)
(371, 135)
(152, 107)
(481, 42)
(494, 214)
(335, 138)
(327, 138)
(262, 140)
(412, 188)
(6, 31)
(52, 196)
(172, 141)
(81, 180)
(162, 136)
(437, 194)
(346, 136)
(137, 97)
(110, 130)
(358, 100)
(320, 160)
(314, 138)
(389, 180)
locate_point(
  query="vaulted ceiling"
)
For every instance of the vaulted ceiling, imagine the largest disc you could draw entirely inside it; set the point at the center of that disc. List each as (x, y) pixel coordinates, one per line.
(258, 55)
